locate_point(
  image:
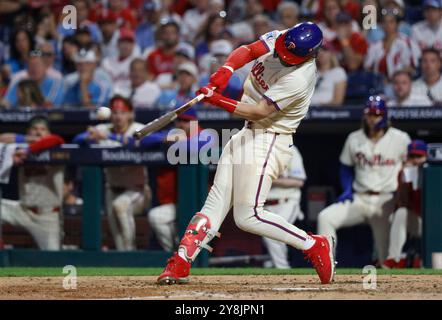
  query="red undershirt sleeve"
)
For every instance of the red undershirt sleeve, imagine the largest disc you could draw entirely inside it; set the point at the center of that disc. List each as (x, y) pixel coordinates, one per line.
(246, 53)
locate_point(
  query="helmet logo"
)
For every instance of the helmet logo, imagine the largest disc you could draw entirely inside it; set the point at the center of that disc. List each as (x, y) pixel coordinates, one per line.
(291, 45)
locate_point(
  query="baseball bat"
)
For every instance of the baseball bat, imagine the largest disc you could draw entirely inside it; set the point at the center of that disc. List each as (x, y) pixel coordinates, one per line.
(164, 120)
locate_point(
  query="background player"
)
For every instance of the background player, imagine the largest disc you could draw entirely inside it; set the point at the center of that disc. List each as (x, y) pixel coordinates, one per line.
(370, 163)
(127, 189)
(408, 215)
(162, 218)
(276, 98)
(40, 187)
(284, 200)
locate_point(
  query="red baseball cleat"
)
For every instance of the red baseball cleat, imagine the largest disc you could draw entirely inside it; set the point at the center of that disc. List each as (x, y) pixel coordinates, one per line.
(389, 264)
(322, 257)
(177, 271)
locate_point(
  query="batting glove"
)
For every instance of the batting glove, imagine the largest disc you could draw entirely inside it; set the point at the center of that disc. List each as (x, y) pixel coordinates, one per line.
(216, 99)
(221, 78)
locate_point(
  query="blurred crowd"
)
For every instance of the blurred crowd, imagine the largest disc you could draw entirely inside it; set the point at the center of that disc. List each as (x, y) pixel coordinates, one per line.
(157, 53)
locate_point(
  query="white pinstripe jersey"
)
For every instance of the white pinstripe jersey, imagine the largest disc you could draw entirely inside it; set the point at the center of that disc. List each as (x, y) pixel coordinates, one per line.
(289, 89)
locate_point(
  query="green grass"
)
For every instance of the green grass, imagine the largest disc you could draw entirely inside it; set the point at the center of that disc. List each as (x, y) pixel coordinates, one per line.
(53, 272)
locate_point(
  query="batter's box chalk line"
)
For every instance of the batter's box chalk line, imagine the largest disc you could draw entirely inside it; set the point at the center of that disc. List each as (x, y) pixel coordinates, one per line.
(185, 294)
(302, 289)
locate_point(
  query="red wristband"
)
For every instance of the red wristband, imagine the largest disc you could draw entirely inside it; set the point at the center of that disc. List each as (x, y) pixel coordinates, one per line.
(223, 102)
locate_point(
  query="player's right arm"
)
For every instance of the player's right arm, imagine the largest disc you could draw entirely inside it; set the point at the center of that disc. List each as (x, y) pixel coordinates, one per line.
(237, 59)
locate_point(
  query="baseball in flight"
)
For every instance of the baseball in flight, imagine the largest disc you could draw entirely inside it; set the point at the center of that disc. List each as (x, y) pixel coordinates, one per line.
(103, 113)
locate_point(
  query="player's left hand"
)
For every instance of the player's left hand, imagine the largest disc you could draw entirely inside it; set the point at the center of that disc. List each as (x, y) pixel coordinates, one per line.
(220, 78)
(210, 95)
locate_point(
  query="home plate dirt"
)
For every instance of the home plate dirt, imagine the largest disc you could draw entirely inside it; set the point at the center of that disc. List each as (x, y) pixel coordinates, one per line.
(224, 287)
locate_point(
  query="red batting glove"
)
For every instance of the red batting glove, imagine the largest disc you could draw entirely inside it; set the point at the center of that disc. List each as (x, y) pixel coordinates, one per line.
(216, 99)
(220, 78)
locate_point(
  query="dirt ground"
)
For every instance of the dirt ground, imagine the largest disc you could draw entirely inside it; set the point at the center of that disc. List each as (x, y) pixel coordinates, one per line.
(225, 287)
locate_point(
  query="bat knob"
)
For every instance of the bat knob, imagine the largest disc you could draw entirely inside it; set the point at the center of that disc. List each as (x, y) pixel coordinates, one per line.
(137, 135)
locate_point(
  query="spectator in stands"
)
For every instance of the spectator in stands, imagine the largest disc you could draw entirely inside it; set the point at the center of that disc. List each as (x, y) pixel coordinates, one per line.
(69, 49)
(288, 13)
(219, 51)
(403, 95)
(430, 84)
(127, 189)
(395, 52)
(107, 21)
(211, 30)
(118, 67)
(48, 56)
(86, 87)
(83, 7)
(261, 25)
(150, 17)
(162, 218)
(398, 6)
(144, 92)
(332, 80)
(161, 59)
(185, 52)
(194, 19)
(22, 43)
(126, 18)
(46, 30)
(428, 33)
(329, 23)
(51, 87)
(29, 94)
(187, 80)
(349, 45)
(40, 187)
(83, 37)
(244, 11)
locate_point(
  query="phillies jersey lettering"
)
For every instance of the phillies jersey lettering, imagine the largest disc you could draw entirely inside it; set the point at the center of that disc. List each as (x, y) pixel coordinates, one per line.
(376, 165)
(288, 89)
(257, 72)
(375, 160)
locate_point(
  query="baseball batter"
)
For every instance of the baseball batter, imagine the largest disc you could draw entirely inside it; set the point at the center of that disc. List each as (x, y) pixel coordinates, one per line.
(284, 200)
(407, 217)
(40, 188)
(370, 163)
(276, 98)
(127, 191)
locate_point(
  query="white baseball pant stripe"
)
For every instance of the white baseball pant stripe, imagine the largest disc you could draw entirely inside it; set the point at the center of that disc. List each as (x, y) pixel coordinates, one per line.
(372, 209)
(44, 226)
(245, 184)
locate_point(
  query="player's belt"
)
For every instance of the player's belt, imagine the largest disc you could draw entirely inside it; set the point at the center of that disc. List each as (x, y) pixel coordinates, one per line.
(372, 193)
(274, 202)
(124, 189)
(37, 210)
